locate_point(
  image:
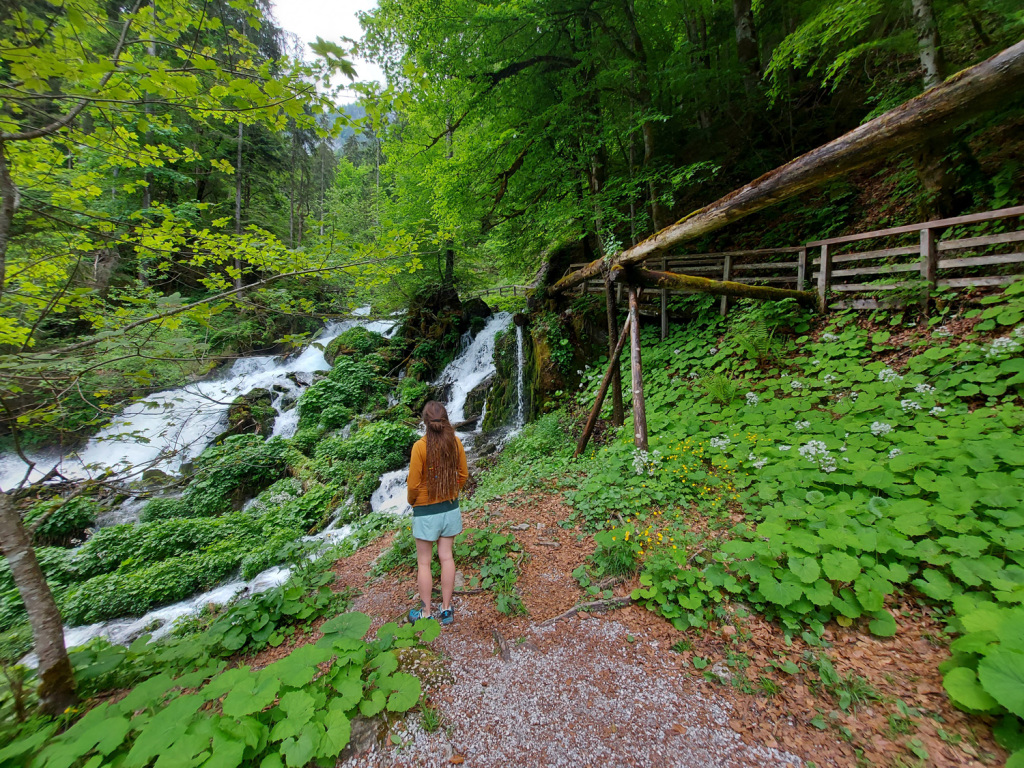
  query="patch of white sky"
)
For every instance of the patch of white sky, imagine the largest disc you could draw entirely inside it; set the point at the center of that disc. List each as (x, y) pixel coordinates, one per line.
(310, 19)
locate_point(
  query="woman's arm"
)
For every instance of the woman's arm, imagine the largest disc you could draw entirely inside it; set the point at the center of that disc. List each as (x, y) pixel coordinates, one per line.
(463, 468)
(415, 474)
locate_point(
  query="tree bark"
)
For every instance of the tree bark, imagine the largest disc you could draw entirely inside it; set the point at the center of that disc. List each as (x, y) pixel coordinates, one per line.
(8, 207)
(975, 89)
(57, 679)
(672, 281)
(639, 408)
(746, 44)
(929, 44)
(238, 201)
(449, 253)
(609, 299)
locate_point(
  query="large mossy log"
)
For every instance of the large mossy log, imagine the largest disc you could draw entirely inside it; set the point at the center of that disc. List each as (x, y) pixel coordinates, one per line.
(648, 278)
(938, 109)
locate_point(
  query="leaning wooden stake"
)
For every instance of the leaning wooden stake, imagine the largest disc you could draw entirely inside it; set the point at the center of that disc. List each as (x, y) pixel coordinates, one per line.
(961, 97)
(613, 332)
(639, 410)
(651, 279)
(613, 367)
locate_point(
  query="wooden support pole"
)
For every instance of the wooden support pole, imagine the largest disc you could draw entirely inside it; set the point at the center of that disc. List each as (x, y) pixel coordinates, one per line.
(929, 257)
(639, 410)
(938, 109)
(726, 277)
(612, 372)
(801, 269)
(649, 279)
(664, 303)
(824, 274)
(613, 330)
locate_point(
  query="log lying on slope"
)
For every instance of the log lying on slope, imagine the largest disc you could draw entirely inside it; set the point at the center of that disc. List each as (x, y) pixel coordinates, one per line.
(650, 279)
(964, 95)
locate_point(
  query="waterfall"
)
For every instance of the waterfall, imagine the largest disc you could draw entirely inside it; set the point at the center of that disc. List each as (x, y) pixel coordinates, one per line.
(520, 384)
(474, 364)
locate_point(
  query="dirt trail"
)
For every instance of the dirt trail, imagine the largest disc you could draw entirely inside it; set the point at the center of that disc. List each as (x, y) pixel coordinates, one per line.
(607, 690)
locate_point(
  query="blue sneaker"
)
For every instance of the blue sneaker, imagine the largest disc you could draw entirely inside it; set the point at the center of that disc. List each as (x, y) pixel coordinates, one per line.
(418, 613)
(447, 616)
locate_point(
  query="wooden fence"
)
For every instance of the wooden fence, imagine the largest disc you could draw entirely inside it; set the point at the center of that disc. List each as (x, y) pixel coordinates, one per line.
(943, 253)
(503, 290)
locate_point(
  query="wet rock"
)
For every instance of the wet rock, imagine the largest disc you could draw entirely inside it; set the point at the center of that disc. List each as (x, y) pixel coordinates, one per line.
(300, 378)
(155, 477)
(251, 413)
(476, 398)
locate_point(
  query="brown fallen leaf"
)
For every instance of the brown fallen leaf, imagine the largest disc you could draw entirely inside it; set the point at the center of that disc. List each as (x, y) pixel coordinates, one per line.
(679, 728)
(456, 760)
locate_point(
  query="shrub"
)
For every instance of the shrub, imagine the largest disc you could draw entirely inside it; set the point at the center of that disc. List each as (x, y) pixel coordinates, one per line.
(237, 468)
(382, 440)
(357, 340)
(70, 518)
(164, 509)
(305, 440)
(351, 384)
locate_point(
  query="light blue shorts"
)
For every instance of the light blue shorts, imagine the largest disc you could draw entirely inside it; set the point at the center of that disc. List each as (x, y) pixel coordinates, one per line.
(433, 527)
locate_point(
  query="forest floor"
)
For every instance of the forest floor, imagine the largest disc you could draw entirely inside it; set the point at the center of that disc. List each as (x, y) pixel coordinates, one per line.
(608, 689)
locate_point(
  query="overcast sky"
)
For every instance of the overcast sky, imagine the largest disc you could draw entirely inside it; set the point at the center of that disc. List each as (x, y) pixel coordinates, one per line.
(330, 20)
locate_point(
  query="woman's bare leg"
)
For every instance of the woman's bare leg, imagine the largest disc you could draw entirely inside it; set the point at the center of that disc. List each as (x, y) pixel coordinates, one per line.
(444, 554)
(424, 582)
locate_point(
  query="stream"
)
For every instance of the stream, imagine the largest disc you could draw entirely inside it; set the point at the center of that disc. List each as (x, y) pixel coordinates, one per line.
(170, 428)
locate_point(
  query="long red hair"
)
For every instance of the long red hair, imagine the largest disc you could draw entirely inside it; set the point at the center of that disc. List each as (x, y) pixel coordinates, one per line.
(442, 470)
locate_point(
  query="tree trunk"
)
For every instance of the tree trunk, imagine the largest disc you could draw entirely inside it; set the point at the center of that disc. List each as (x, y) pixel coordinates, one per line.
(746, 44)
(929, 44)
(639, 408)
(673, 281)
(57, 679)
(291, 195)
(609, 295)
(8, 206)
(981, 87)
(238, 201)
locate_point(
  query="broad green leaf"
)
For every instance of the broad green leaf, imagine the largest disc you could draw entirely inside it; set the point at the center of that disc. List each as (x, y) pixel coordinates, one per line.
(805, 568)
(883, 624)
(338, 731)
(351, 625)
(405, 691)
(966, 692)
(1002, 674)
(839, 566)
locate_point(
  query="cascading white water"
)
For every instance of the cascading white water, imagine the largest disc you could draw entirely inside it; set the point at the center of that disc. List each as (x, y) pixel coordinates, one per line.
(169, 428)
(520, 421)
(472, 366)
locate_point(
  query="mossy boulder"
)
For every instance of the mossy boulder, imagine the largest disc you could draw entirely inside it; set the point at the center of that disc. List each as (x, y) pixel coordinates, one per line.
(355, 341)
(503, 398)
(476, 398)
(251, 413)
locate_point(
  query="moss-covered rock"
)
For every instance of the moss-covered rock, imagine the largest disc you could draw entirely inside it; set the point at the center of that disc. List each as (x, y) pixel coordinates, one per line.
(251, 413)
(503, 398)
(355, 341)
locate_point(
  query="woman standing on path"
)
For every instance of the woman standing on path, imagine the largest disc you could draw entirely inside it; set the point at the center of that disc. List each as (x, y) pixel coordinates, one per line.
(437, 473)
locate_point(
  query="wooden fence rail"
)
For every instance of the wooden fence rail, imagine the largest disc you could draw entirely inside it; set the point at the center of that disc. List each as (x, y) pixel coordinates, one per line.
(940, 254)
(501, 290)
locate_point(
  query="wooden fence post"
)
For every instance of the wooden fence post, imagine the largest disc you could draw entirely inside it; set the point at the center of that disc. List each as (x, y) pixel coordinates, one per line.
(726, 276)
(639, 411)
(664, 304)
(929, 259)
(824, 274)
(612, 317)
(801, 269)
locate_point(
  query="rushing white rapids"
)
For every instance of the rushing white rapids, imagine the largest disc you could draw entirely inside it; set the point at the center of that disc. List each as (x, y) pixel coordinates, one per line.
(199, 412)
(170, 428)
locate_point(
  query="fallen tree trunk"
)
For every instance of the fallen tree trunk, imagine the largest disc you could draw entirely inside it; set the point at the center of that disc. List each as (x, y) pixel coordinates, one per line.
(651, 279)
(597, 606)
(964, 95)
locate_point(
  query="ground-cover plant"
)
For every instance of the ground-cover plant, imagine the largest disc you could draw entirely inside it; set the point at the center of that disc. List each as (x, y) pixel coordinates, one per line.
(232, 470)
(64, 519)
(351, 387)
(839, 478)
(292, 712)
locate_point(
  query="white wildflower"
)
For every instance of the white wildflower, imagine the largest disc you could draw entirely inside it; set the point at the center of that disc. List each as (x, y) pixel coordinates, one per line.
(879, 428)
(910, 405)
(829, 337)
(646, 462)
(1018, 332)
(752, 398)
(800, 426)
(785, 447)
(889, 376)
(816, 452)
(720, 442)
(795, 385)
(713, 351)
(941, 332)
(675, 351)
(924, 389)
(758, 463)
(830, 377)
(815, 362)
(895, 452)
(1006, 345)
(938, 410)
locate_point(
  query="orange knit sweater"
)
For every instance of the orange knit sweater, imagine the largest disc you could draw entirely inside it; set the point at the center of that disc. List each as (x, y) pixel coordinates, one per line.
(417, 491)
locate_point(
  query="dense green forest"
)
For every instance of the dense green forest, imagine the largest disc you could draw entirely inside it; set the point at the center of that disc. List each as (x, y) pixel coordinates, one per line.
(182, 192)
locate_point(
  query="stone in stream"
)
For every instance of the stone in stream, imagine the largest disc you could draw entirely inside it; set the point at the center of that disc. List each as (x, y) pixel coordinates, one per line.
(476, 398)
(251, 413)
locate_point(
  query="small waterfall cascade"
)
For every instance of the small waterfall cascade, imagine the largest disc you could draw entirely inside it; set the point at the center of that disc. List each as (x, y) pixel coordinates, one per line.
(520, 421)
(200, 410)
